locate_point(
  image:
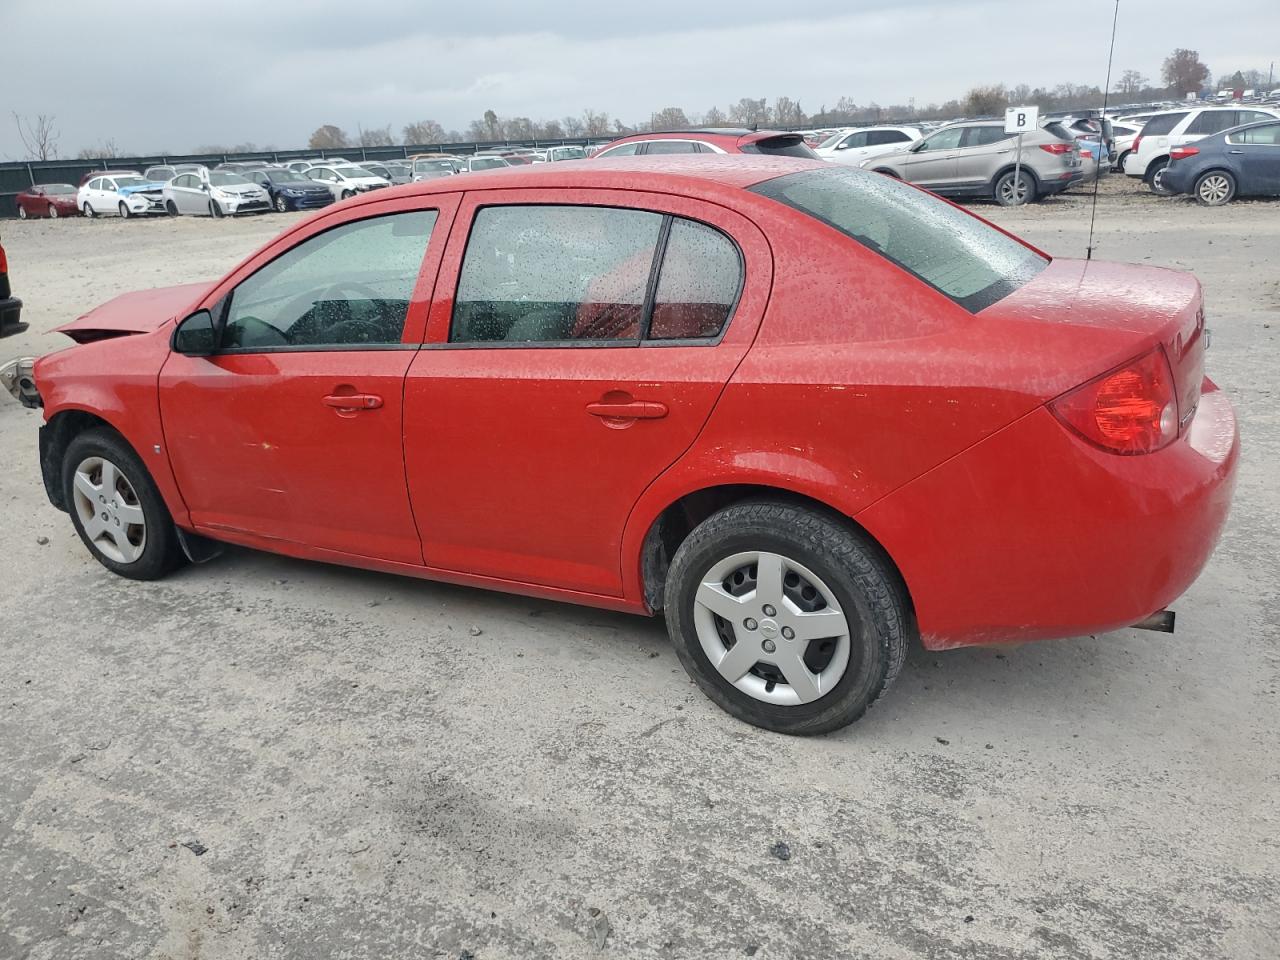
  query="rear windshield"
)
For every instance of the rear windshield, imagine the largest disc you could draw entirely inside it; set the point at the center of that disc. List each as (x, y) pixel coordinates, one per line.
(790, 145)
(1161, 124)
(955, 253)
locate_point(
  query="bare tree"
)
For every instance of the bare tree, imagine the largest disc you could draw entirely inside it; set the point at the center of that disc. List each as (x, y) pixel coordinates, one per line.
(595, 124)
(572, 126)
(39, 138)
(328, 137)
(375, 136)
(788, 113)
(492, 125)
(424, 131)
(1130, 82)
(984, 101)
(669, 118)
(714, 118)
(749, 112)
(551, 130)
(106, 150)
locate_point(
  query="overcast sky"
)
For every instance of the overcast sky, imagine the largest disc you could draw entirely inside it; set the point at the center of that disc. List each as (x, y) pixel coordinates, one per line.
(172, 76)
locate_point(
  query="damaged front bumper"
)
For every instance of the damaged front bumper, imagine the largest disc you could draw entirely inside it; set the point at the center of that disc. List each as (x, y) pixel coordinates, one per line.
(17, 376)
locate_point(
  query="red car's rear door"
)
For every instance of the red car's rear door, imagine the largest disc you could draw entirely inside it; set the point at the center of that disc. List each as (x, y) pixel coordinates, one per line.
(538, 410)
(292, 431)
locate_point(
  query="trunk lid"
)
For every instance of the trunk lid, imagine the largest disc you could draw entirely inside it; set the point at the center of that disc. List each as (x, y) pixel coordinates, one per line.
(140, 312)
(1116, 311)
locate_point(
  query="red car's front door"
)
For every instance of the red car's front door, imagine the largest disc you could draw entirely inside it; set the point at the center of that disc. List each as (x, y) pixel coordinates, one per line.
(292, 430)
(576, 347)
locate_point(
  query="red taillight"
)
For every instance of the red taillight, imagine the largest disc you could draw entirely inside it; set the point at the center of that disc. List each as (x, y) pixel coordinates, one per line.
(4, 262)
(1181, 153)
(1056, 148)
(1130, 410)
(1137, 142)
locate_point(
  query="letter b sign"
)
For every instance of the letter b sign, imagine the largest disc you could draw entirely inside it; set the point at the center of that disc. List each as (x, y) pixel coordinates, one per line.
(1021, 119)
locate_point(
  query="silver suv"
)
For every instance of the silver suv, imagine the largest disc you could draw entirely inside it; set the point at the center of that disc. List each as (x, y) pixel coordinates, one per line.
(976, 159)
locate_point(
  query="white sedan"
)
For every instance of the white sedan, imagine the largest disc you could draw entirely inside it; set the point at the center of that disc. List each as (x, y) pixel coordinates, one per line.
(125, 195)
(853, 146)
(214, 193)
(346, 180)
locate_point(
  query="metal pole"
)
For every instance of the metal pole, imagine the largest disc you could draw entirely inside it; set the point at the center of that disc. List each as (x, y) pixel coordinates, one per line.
(1017, 170)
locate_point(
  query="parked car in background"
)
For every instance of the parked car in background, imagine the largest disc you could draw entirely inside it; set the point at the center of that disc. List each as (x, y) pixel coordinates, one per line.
(51, 200)
(218, 193)
(107, 173)
(1242, 162)
(853, 146)
(431, 166)
(483, 162)
(345, 180)
(10, 306)
(127, 195)
(302, 166)
(392, 172)
(290, 190)
(1094, 159)
(976, 159)
(166, 172)
(1162, 133)
(749, 479)
(1125, 134)
(557, 154)
(770, 143)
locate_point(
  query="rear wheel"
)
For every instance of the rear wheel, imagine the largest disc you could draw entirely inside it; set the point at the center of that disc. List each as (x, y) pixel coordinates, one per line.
(1009, 194)
(88, 210)
(53, 212)
(1155, 178)
(785, 617)
(1215, 188)
(116, 508)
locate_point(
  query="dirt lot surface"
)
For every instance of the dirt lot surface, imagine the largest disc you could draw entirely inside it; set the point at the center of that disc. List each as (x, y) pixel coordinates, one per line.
(265, 758)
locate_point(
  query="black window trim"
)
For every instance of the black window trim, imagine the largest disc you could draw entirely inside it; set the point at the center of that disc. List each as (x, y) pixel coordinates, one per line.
(222, 308)
(655, 271)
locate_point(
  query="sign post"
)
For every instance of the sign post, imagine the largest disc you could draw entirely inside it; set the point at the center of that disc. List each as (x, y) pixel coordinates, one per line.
(1018, 120)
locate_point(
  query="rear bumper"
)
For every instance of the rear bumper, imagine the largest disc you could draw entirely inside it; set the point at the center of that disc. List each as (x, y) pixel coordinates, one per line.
(1034, 533)
(11, 317)
(1179, 177)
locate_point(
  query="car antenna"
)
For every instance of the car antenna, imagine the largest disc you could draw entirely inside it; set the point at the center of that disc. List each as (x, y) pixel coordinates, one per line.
(1102, 133)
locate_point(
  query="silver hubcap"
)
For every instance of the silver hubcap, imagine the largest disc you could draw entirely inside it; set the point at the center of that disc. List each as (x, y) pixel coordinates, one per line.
(1214, 189)
(109, 510)
(1157, 179)
(53, 213)
(772, 628)
(1017, 193)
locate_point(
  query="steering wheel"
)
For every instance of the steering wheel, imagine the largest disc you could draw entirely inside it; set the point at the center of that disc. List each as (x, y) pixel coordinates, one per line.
(354, 329)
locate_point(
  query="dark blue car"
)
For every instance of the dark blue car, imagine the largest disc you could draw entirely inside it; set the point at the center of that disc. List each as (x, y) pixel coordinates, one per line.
(1241, 162)
(290, 190)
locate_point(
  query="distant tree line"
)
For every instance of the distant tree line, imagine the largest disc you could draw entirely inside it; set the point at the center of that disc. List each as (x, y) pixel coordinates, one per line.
(1182, 72)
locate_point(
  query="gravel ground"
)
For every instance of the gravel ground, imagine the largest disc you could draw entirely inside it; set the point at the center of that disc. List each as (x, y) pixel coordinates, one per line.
(265, 758)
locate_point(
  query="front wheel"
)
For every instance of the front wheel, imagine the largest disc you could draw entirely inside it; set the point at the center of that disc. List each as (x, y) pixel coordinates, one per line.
(22, 212)
(171, 208)
(1215, 188)
(1155, 178)
(215, 210)
(347, 194)
(53, 212)
(1009, 195)
(281, 204)
(116, 508)
(785, 617)
(124, 211)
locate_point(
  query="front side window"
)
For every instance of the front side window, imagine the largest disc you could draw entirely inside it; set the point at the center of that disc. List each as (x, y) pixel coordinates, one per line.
(555, 273)
(943, 140)
(855, 140)
(1162, 124)
(349, 286)
(955, 253)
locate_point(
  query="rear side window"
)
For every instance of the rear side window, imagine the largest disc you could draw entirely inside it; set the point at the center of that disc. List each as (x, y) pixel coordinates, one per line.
(349, 286)
(1268, 135)
(981, 136)
(878, 137)
(955, 253)
(670, 146)
(1162, 124)
(786, 145)
(1212, 121)
(698, 285)
(626, 150)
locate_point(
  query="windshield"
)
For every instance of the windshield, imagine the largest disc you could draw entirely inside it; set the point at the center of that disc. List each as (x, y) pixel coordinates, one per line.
(571, 153)
(422, 166)
(831, 141)
(488, 163)
(122, 182)
(285, 176)
(222, 179)
(57, 189)
(955, 253)
(352, 172)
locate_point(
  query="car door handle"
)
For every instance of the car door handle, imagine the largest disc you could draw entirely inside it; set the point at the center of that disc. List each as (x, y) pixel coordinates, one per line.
(352, 401)
(1235, 151)
(627, 409)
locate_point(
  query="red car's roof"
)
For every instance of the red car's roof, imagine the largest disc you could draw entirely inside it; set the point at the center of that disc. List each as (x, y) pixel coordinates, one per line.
(666, 174)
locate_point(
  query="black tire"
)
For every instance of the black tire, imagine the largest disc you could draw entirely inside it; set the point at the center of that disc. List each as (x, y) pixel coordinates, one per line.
(124, 211)
(1214, 188)
(53, 212)
(347, 194)
(88, 210)
(22, 212)
(1004, 194)
(161, 551)
(867, 590)
(1120, 160)
(171, 208)
(1153, 177)
(281, 204)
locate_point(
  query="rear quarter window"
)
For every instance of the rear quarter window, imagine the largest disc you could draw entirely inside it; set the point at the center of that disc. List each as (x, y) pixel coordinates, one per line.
(1160, 125)
(955, 253)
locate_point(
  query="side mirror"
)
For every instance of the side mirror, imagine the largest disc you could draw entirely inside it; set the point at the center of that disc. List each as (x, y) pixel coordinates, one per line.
(196, 336)
(919, 146)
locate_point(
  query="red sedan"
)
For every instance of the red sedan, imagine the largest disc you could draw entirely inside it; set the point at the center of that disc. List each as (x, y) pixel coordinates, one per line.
(808, 412)
(48, 200)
